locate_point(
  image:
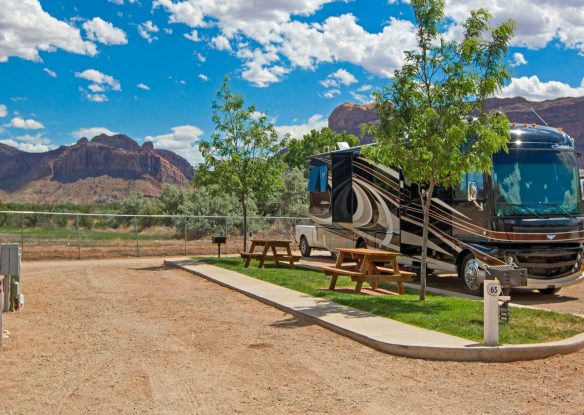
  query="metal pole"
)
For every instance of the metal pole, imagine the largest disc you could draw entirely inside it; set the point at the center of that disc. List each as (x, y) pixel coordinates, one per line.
(1, 311)
(78, 239)
(22, 233)
(185, 221)
(137, 241)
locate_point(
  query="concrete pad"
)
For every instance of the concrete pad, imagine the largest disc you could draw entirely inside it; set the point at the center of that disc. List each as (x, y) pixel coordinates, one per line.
(380, 333)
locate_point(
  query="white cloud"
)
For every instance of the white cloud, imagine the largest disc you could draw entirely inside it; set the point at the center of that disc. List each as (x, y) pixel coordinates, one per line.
(3, 111)
(533, 89)
(360, 98)
(183, 140)
(146, 30)
(518, 60)
(203, 77)
(539, 22)
(101, 83)
(98, 77)
(344, 77)
(221, 43)
(26, 29)
(364, 88)
(91, 132)
(193, 35)
(316, 122)
(52, 74)
(201, 58)
(167, 30)
(143, 86)
(282, 43)
(96, 97)
(104, 32)
(30, 143)
(28, 124)
(331, 93)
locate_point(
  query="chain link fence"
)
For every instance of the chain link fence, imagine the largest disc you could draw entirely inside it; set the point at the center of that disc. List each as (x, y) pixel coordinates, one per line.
(52, 235)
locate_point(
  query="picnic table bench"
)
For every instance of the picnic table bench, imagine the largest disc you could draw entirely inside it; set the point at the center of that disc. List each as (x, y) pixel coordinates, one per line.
(367, 270)
(265, 255)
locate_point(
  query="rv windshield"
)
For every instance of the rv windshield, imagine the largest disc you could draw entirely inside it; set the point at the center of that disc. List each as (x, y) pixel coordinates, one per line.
(535, 182)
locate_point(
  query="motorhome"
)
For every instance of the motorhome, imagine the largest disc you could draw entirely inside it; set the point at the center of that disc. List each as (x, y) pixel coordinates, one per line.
(528, 210)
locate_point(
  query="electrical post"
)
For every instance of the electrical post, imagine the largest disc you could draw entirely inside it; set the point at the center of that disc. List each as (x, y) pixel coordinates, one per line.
(137, 240)
(78, 239)
(185, 221)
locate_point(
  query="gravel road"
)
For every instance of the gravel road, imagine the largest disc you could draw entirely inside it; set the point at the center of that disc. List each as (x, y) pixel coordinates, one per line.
(134, 337)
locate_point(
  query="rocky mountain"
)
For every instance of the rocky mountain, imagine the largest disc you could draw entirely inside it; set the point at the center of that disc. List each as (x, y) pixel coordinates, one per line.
(105, 169)
(567, 113)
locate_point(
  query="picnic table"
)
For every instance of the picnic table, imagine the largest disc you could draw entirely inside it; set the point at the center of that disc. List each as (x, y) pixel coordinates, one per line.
(270, 245)
(367, 269)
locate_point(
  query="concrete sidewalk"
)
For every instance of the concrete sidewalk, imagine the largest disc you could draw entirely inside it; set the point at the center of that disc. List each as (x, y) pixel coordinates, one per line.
(381, 333)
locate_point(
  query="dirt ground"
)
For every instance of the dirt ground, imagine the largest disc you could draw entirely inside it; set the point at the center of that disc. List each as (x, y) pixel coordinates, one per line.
(131, 336)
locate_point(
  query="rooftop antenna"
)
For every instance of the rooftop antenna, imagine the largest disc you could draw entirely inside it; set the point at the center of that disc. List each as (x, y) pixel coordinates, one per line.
(542, 120)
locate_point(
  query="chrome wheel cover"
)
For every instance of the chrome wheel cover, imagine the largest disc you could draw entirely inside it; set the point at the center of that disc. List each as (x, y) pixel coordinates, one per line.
(471, 275)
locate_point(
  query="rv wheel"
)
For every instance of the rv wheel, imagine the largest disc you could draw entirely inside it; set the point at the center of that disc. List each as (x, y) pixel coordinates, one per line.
(305, 249)
(470, 276)
(548, 290)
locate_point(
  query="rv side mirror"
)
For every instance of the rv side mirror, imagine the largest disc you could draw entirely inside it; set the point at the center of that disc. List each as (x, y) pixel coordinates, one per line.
(472, 192)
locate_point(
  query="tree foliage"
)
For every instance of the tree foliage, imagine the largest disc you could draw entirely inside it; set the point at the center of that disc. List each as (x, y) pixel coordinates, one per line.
(313, 143)
(243, 156)
(433, 123)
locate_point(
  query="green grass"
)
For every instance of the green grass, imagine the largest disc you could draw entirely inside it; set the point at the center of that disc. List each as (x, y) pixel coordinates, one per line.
(457, 316)
(94, 234)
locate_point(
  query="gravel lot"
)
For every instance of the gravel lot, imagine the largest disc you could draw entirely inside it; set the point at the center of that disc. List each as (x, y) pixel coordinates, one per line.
(130, 336)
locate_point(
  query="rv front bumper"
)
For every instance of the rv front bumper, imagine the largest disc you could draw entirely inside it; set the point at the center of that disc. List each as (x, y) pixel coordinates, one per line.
(537, 284)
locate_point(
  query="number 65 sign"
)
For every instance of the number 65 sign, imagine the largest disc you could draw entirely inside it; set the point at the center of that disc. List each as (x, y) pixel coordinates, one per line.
(494, 289)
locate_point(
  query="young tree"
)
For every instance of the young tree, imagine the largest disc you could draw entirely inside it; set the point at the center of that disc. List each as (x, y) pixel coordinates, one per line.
(313, 143)
(433, 124)
(243, 156)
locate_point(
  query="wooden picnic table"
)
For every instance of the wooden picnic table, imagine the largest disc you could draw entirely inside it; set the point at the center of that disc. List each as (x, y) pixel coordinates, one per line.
(366, 268)
(270, 245)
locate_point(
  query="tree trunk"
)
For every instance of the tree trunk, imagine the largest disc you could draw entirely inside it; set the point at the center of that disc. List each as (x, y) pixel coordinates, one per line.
(426, 202)
(244, 207)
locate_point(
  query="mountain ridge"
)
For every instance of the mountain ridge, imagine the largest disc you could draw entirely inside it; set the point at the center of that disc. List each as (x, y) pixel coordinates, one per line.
(103, 169)
(567, 113)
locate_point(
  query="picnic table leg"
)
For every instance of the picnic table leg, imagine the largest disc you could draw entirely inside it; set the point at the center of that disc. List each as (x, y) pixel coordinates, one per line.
(264, 253)
(289, 251)
(333, 282)
(275, 252)
(400, 285)
(248, 259)
(358, 286)
(371, 269)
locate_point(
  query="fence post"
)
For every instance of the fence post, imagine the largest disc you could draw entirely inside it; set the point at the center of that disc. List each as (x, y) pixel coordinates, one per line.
(22, 234)
(78, 239)
(185, 223)
(137, 240)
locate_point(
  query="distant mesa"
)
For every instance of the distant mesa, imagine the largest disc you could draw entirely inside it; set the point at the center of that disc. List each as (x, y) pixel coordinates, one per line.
(103, 169)
(567, 113)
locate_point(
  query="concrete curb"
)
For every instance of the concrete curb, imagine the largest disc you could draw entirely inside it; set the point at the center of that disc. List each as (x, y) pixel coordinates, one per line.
(402, 340)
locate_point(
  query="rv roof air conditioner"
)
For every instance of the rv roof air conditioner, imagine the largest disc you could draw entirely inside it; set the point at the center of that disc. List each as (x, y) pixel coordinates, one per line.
(343, 145)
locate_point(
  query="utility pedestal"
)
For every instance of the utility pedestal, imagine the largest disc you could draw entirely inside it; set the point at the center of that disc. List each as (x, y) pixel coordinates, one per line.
(10, 269)
(492, 296)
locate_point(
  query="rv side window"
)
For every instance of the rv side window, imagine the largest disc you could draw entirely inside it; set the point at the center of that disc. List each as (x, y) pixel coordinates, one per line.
(461, 191)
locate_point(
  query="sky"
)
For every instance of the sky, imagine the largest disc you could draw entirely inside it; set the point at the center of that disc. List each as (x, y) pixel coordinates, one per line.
(151, 68)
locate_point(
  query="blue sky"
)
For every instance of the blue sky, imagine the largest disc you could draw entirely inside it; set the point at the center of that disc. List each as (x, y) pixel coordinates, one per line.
(150, 68)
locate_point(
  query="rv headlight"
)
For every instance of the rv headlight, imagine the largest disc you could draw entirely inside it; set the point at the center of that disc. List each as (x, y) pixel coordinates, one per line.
(579, 257)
